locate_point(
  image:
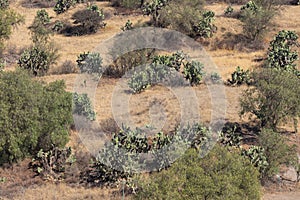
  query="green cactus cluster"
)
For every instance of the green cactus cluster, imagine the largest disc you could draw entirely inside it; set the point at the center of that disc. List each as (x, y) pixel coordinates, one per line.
(240, 76)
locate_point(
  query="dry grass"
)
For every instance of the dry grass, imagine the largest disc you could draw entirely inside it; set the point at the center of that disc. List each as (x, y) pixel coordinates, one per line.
(70, 47)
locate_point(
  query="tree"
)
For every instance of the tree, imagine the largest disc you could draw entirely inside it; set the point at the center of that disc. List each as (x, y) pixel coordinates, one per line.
(276, 151)
(39, 28)
(274, 97)
(219, 175)
(280, 54)
(33, 116)
(8, 20)
(256, 16)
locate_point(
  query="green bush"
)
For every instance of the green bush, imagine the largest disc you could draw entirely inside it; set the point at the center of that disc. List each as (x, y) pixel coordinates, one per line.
(33, 116)
(228, 11)
(193, 71)
(204, 27)
(277, 152)
(219, 175)
(280, 54)
(274, 98)
(239, 77)
(90, 63)
(215, 78)
(58, 26)
(82, 106)
(175, 60)
(87, 21)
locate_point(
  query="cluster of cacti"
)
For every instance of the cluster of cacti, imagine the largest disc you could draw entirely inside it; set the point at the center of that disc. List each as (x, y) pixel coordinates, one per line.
(153, 7)
(82, 106)
(35, 60)
(215, 78)
(39, 28)
(90, 63)
(204, 27)
(231, 135)
(160, 69)
(127, 26)
(110, 166)
(63, 5)
(257, 157)
(240, 76)
(280, 54)
(96, 9)
(58, 26)
(228, 11)
(4, 4)
(251, 6)
(53, 162)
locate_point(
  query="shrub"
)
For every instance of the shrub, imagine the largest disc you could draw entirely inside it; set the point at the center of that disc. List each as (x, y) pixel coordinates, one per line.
(215, 78)
(33, 116)
(63, 5)
(139, 81)
(153, 8)
(219, 175)
(187, 17)
(256, 17)
(239, 77)
(129, 61)
(257, 157)
(277, 152)
(131, 4)
(273, 99)
(82, 106)
(38, 59)
(128, 26)
(90, 63)
(90, 21)
(193, 71)
(280, 54)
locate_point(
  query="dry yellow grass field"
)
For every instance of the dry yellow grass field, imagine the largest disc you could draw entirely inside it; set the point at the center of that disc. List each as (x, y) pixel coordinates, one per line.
(71, 47)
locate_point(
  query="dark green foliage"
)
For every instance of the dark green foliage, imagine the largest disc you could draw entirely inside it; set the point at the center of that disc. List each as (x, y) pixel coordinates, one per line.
(257, 157)
(231, 135)
(38, 59)
(63, 5)
(256, 17)
(90, 63)
(240, 76)
(82, 106)
(33, 116)
(52, 163)
(219, 175)
(280, 54)
(274, 97)
(277, 152)
(193, 71)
